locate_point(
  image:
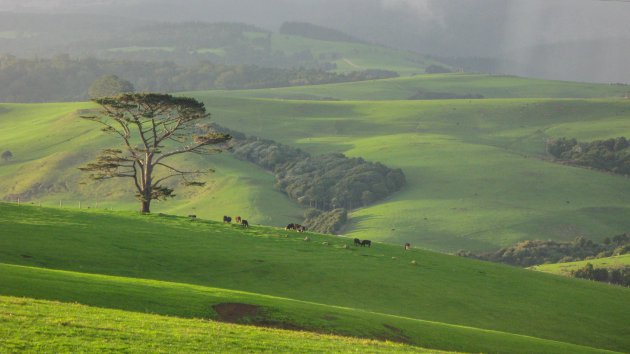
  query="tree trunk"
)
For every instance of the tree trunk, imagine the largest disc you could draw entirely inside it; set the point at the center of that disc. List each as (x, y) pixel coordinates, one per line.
(146, 207)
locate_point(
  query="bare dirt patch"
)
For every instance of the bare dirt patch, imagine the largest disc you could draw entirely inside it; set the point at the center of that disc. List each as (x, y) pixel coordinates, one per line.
(233, 312)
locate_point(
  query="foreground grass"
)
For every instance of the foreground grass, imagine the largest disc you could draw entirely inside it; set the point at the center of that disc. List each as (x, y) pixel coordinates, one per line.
(184, 300)
(29, 325)
(568, 267)
(438, 288)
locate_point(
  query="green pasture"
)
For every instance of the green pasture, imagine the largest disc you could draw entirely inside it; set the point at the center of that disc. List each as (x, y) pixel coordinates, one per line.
(270, 261)
(50, 141)
(490, 86)
(43, 326)
(477, 172)
(566, 268)
(354, 56)
(478, 176)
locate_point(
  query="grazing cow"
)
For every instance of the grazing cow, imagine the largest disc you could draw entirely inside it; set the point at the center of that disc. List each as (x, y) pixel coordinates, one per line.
(238, 220)
(244, 223)
(192, 217)
(291, 226)
(407, 246)
(298, 227)
(227, 219)
(366, 243)
(301, 228)
(357, 242)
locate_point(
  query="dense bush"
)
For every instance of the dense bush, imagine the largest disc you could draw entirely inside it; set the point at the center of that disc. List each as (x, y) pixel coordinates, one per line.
(327, 222)
(609, 155)
(614, 275)
(534, 252)
(324, 182)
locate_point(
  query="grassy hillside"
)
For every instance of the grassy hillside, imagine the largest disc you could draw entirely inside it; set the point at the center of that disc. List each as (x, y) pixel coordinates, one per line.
(43, 326)
(490, 86)
(478, 176)
(438, 288)
(350, 57)
(477, 172)
(50, 141)
(566, 268)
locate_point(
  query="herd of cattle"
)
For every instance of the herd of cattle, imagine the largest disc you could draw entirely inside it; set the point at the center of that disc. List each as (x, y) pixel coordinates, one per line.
(296, 227)
(238, 220)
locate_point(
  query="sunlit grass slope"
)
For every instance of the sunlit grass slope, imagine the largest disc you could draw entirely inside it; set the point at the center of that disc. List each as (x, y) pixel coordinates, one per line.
(50, 141)
(382, 279)
(566, 268)
(43, 326)
(190, 301)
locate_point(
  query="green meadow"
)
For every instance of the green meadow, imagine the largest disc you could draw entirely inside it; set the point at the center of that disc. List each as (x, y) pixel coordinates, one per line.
(30, 325)
(478, 177)
(168, 265)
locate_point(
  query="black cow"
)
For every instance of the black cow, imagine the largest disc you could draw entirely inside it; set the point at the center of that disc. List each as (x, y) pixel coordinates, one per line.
(227, 219)
(244, 223)
(366, 243)
(357, 242)
(291, 226)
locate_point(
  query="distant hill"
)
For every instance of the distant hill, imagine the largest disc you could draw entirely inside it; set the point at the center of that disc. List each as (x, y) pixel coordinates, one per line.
(309, 30)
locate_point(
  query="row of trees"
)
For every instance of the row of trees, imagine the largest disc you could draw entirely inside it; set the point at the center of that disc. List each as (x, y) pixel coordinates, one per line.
(614, 275)
(65, 79)
(534, 252)
(609, 155)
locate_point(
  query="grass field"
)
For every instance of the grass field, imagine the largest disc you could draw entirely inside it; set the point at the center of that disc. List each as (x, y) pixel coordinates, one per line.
(478, 176)
(43, 326)
(566, 268)
(477, 172)
(355, 56)
(439, 298)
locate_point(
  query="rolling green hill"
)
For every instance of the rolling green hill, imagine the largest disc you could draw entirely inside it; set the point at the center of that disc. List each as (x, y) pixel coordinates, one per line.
(441, 301)
(43, 326)
(478, 175)
(490, 86)
(566, 268)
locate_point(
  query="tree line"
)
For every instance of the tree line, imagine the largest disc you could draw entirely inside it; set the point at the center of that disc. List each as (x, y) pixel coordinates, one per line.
(329, 185)
(611, 275)
(611, 155)
(535, 252)
(65, 79)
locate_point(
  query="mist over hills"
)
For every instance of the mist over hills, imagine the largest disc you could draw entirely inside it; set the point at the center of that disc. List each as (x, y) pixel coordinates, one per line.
(582, 40)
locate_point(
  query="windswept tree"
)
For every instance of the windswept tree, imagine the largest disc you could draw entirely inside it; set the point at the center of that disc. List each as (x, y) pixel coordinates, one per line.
(152, 128)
